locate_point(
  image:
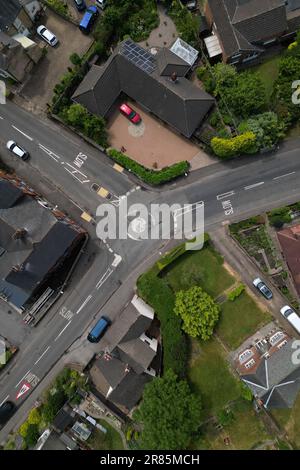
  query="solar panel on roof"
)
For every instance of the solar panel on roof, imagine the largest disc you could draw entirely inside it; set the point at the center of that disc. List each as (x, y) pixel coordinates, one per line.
(138, 56)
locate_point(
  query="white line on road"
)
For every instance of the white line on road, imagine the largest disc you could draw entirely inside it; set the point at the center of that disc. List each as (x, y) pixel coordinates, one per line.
(62, 330)
(225, 195)
(104, 278)
(252, 186)
(4, 400)
(1, 117)
(84, 304)
(22, 378)
(23, 133)
(117, 260)
(42, 355)
(284, 176)
(49, 152)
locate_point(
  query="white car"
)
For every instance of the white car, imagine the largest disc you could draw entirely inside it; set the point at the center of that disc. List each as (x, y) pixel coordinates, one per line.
(101, 4)
(17, 150)
(291, 317)
(47, 35)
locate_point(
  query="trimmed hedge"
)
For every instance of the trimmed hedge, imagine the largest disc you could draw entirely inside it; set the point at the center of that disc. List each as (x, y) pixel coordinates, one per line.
(226, 148)
(154, 177)
(234, 294)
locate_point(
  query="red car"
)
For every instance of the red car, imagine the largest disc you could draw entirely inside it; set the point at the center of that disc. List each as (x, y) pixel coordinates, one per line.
(133, 116)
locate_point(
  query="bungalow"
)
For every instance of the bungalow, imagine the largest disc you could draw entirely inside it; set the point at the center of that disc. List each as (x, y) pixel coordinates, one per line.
(243, 29)
(271, 369)
(156, 81)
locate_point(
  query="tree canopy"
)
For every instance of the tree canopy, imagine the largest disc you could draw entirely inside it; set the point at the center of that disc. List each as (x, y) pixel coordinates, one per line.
(170, 413)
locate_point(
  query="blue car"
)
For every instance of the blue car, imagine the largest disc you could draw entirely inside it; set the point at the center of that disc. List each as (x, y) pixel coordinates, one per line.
(89, 19)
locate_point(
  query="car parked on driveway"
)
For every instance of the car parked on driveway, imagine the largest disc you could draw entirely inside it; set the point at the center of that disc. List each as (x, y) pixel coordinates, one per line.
(132, 115)
(7, 409)
(88, 19)
(17, 150)
(263, 288)
(291, 317)
(80, 5)
(47, 35)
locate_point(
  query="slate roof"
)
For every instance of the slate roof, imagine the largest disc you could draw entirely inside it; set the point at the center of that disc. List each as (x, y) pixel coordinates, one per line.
(242, 23)
(9, 10)
(277, 379)
(119, 373)
(181, 104)
(38, 252)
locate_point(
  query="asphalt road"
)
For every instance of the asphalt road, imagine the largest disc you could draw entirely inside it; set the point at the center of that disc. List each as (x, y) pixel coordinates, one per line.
(229, 192)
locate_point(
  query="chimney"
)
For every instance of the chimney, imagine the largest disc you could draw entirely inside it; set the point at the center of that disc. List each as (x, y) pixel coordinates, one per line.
(17, 268)
(19, 233)
(174, 77)
(127, 368)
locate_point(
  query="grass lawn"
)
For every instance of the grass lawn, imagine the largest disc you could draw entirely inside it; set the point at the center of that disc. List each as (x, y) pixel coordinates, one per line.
(269, 73)
(240, 319)
(209, 375)
(109, 441)
(203, 268)
(289, 419)
(245, 432)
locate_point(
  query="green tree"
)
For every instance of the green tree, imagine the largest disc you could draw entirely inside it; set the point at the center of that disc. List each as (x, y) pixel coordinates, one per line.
(169, 414)
(75, 59)
(32, 435)
(267, 127)
(198, 311)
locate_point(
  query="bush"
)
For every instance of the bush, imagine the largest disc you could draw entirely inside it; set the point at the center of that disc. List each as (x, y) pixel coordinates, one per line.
(88, 124)
(281, 216)
(234, 294)
(59, 6)
(156, 292)
(242, 144)
(149, 176)
(187, 24)
(267, 127)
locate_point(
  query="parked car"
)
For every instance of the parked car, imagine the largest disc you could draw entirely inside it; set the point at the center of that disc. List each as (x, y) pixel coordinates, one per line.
(291, 317)
(101, 3)
(98, 330)
(132, 115)
(17, 150)
(80, 5)
(88, 19)
(7, 409)
(192, 5)
(47, 35)
(263, 288)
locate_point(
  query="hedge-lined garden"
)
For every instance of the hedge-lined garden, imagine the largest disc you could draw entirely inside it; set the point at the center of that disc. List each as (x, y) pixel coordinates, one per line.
(154, 177)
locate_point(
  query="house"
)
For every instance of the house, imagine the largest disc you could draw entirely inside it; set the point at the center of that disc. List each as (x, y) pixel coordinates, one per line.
(38, 245)
(128, 362)
(18, 16)
(18, 55)
(271, 370)
(156, 81)
(243, 29)
(289, 239)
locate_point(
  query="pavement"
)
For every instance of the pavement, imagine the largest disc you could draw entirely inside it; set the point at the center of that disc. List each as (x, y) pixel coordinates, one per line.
(65, 167)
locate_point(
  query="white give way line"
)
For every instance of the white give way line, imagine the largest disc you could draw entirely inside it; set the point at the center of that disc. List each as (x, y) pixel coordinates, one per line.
(23, 133)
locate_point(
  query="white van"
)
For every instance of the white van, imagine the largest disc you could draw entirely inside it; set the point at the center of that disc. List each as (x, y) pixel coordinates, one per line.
(101, 4)
(291, 317)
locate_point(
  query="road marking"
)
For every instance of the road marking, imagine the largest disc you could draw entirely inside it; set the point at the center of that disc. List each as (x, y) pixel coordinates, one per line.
(252, 186)
(227, 207)
(118, 168)
(7, 395)
(104, 278)
(1, 117)
(65, 313)
(85, 216)
(84, 304)
(24, 389)
(22, 378)
(42, 355)
(75, 172)
(117, 260)
(284, 176)
(225, 195)
(23, 133)
(49, 152)
(63, 330)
